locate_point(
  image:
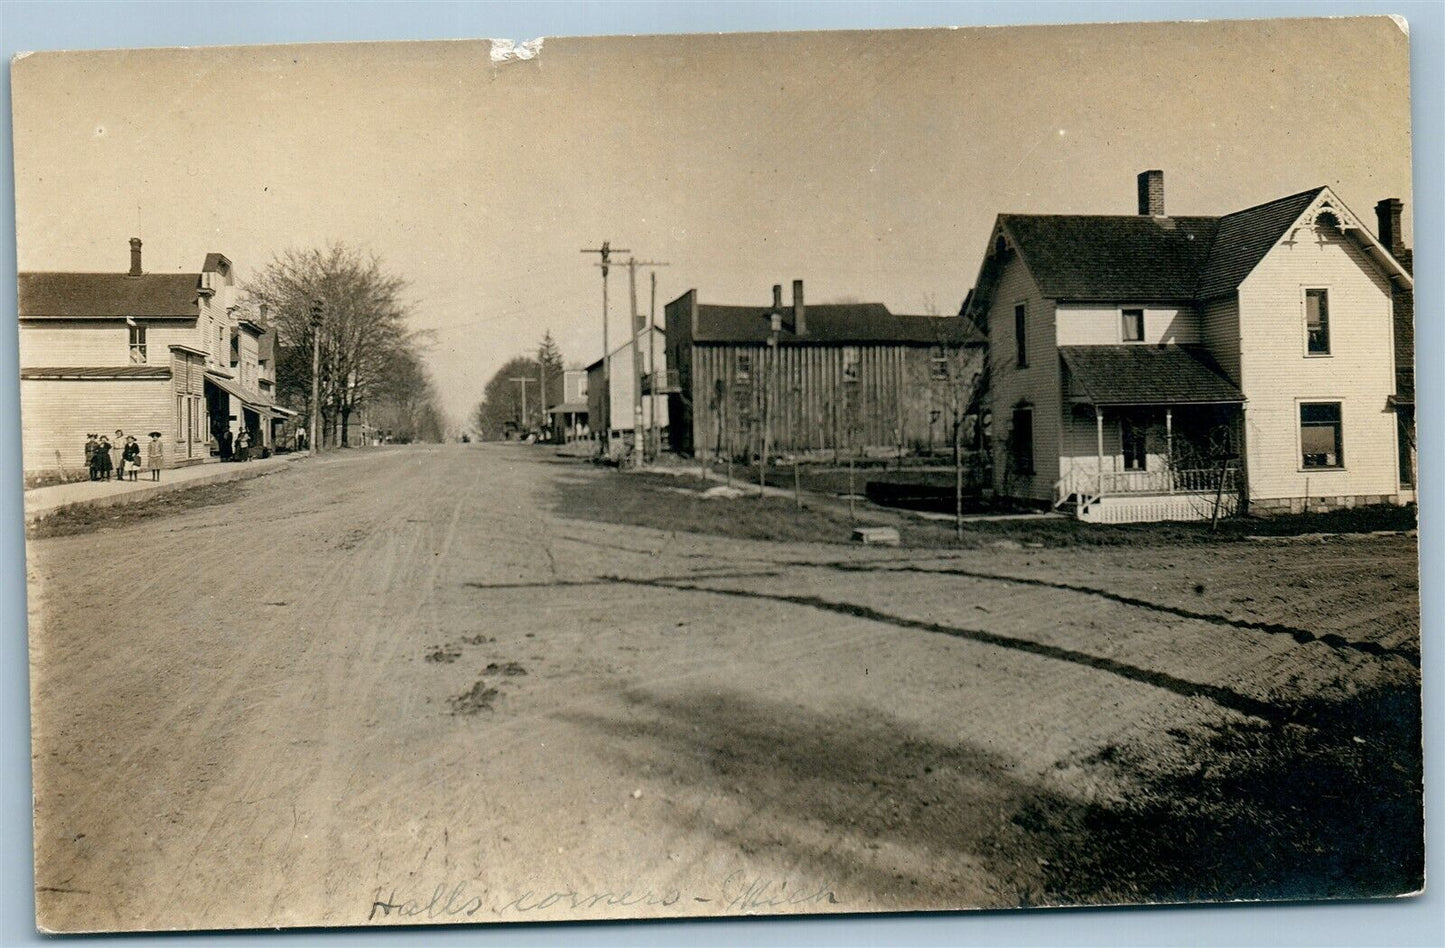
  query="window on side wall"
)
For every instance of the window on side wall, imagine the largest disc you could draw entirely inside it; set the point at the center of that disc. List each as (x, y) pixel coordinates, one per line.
(744, 371)
(1317, 321)
(1021, 441)
(1321, 435)
(1021, 341)
(137, 344)
(938, 364)
(852, 363)
(1133, 325)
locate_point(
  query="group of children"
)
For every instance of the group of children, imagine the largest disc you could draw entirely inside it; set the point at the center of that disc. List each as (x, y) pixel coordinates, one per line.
(121, 457)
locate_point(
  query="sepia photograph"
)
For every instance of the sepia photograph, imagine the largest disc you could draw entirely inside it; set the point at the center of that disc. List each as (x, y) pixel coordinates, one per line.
(835, 472)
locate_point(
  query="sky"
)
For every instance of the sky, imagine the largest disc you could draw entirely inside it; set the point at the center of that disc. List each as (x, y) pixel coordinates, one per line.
(870, 165)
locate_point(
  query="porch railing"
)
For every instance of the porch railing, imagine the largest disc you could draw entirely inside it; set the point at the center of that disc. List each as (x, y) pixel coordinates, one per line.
(1182, 481)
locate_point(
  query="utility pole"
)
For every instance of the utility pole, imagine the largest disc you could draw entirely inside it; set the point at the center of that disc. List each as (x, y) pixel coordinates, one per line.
(523, 380)
(654, 440)
(606, 251)
(775, 326)
(315, 374)
(637, 424)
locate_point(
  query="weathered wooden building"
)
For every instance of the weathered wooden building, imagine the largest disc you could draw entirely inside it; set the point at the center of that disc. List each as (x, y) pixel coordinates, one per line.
(801, 379)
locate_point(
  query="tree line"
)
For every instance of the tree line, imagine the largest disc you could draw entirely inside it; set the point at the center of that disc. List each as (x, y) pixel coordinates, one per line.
(341, 300)
(517, 396)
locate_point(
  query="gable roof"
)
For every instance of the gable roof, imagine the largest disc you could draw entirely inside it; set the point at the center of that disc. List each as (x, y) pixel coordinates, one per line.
(831, 323)
(1147, 375)
(108, 295)
(1244, 237)
(1138, 257)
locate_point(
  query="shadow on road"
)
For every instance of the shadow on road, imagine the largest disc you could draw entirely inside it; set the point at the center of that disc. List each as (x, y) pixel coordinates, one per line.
(1253, 810)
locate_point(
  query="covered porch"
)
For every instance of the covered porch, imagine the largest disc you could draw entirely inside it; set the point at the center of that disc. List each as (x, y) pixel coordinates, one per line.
(1149, 433)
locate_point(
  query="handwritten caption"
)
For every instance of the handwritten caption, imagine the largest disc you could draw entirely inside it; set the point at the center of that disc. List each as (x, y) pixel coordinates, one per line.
(458, 901)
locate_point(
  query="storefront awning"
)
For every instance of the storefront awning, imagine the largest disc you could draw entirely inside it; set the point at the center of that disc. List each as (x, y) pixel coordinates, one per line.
(1146, 375)
(247, 399)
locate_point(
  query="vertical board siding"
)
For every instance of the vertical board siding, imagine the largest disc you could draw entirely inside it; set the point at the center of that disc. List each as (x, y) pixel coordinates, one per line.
(809, 405)
(1277, 374)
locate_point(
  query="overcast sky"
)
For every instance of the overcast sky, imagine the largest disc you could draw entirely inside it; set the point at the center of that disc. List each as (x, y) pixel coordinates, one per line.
(870, 165)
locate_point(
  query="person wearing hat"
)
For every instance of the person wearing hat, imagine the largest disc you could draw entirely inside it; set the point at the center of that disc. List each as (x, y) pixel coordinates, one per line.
(103, 464)
(92, 444)
(130, 457)
(153, 455)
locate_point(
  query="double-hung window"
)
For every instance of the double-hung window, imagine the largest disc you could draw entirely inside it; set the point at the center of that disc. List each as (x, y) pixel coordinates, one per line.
(137, 344)
(1317, 322)
(1321, 435)
(1021, 337)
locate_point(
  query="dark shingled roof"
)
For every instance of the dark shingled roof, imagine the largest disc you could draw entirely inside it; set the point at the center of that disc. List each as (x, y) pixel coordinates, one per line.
(831, 323)
(108, 295)
(153, 372)
(1244, 237)
(1089, 257)
(1137, 257)
(1147, 375)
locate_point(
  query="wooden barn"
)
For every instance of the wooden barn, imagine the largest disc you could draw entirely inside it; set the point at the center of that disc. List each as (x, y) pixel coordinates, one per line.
(840, 378)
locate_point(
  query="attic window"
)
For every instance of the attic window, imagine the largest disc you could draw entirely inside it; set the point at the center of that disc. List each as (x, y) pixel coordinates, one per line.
(1327, 220)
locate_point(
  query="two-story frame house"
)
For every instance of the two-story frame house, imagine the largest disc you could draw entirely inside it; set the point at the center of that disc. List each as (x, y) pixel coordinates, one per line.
(1149, 367)
(569, 416)
(139, 352)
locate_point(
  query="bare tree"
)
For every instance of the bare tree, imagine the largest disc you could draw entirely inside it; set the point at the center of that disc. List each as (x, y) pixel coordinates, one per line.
(362, 327)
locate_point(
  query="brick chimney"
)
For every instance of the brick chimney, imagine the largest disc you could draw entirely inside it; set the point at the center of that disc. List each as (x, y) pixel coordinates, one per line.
(800, 312)
(1387, 217)
(1151, 193)
(777, 297)
(135, 270)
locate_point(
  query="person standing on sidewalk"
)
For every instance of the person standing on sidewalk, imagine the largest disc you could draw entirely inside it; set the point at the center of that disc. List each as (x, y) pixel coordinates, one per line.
(117, 460)
(103, 463)
(130, 457)
(153, 455)
(92, 445)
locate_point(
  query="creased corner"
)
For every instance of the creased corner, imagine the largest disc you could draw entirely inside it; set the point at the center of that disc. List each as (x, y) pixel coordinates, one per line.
(505, 50)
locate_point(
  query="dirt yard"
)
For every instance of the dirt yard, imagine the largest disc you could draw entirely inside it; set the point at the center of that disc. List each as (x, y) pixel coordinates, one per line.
(428, 685)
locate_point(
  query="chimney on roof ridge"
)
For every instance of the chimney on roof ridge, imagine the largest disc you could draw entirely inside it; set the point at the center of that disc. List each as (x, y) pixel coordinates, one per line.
(1151, 193)
(800, 312)
(135, 270)
(777, 296)
(1387, 217)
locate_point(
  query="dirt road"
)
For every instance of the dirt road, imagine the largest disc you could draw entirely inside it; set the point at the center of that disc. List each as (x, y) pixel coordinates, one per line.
(396, 687)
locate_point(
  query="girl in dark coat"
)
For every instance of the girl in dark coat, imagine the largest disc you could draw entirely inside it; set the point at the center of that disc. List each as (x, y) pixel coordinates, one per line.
(102, 458)
(130, 457)
(92, 445)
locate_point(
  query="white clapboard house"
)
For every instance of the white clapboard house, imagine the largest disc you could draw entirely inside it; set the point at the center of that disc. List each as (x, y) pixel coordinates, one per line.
(1151, 367)
(140, 352)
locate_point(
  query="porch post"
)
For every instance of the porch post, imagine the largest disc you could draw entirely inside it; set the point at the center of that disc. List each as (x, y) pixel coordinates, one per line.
(1169, 445)
(1099, 433)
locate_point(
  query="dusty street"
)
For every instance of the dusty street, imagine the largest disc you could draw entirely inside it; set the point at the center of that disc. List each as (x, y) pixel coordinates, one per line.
(397, 687)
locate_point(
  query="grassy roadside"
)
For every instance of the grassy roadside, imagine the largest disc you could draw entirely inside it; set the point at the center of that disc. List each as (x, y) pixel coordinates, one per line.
(666, 502)
(80, 518)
